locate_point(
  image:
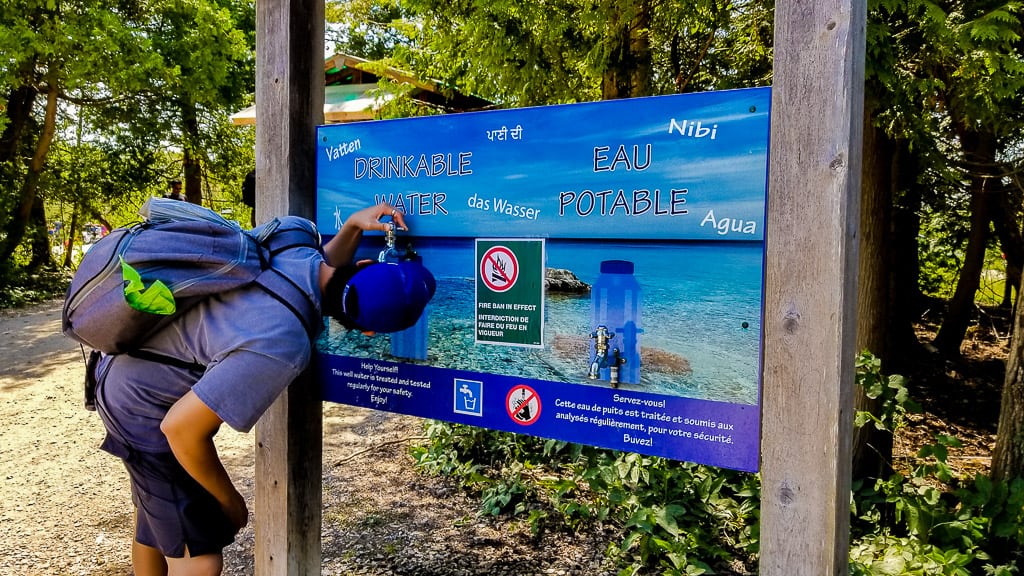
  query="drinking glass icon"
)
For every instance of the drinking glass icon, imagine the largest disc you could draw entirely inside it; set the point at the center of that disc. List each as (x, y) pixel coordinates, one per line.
(468, 400)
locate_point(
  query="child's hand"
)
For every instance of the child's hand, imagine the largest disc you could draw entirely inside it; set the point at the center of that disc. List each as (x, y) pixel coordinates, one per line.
(370, 218)
(237, 512)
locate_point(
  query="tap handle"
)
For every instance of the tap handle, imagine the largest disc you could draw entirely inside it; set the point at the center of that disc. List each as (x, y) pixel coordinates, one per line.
(389, 252)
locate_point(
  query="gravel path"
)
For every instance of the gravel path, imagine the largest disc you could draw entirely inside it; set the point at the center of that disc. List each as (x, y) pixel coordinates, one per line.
(65, 507)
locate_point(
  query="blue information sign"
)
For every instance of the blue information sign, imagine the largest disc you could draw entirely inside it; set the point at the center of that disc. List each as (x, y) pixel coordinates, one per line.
(651, 212)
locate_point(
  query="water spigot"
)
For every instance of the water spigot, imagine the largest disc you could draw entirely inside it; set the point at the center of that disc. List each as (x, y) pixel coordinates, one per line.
(617, 360)
(601, 336)
(389, 252)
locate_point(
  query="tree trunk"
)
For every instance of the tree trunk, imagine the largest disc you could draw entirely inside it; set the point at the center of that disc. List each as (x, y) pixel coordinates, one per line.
(191, 166)
(19, 115)
(1008, 456)
(872, 448)
(15, 228)
(640, 49)
(902, 344)
(19, 120)
(979, 151)
(69, 248)
(629, 68)
(39, 237)
(193, 177)
(1004, 221)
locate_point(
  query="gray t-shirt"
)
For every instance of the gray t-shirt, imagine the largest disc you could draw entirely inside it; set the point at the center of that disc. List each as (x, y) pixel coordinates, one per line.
(252, 347)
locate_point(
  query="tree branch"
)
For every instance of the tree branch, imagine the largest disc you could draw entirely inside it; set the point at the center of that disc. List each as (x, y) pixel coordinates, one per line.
(377, 447)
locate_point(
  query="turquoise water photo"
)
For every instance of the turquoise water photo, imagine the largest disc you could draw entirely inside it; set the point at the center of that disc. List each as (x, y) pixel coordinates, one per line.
(699, 318)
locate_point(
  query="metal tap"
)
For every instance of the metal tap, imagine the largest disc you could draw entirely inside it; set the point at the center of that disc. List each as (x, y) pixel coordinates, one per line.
(601, 336)
(389, 243)
(617, 360)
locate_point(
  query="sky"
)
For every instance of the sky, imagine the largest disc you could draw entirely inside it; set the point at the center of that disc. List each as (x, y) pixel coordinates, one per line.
(681, 167)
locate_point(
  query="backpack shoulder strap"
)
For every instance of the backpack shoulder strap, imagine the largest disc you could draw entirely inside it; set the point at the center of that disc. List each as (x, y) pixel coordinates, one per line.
(280, 235)
(285, 291)
(169, 360)
(287, 232)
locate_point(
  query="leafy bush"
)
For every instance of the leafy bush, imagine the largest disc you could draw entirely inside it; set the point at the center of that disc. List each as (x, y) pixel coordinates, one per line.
(926, 521)
(681, 518)
(19, 287)
(677, 517)
(938, 525)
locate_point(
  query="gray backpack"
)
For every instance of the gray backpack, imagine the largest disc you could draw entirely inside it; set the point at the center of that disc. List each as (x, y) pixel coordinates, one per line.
(194, 253)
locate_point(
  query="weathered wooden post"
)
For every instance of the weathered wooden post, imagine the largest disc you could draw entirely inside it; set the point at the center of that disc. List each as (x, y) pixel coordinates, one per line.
(811, 286)
(289, 452)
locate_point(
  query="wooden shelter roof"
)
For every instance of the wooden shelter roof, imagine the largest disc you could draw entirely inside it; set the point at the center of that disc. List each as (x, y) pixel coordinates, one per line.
(350, 92)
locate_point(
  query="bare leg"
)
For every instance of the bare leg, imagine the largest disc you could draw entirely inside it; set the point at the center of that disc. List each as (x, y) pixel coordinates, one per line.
(205, 565)
(147, 561)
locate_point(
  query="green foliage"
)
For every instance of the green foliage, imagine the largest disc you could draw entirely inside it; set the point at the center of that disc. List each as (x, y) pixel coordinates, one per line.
(931, 523)
(939, 73)
(682, 518)
(935, 70)
(141, 86)
(19, 288)
(370, 29)
(883, 554)
(892, 390)
(531, 53)
(993, 279)
(942, 238)
(959, 58)
(926, 521)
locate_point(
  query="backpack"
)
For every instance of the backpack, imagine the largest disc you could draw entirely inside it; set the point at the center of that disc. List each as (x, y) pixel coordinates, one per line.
(192, 252)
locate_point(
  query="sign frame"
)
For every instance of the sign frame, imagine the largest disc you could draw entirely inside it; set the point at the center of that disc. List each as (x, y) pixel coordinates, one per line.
(683, 181)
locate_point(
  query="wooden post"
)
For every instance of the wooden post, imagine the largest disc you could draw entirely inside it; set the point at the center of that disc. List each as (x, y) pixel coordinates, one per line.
(289, 443)
(811, 286)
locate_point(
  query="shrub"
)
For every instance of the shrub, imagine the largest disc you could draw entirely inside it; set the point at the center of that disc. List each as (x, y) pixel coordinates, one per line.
(682, 518)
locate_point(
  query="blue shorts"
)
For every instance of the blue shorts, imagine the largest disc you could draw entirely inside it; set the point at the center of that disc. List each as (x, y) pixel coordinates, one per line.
(172, 510)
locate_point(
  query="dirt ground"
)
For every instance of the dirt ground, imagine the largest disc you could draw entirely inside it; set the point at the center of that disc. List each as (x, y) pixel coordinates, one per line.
(65, 507)
(959, 398)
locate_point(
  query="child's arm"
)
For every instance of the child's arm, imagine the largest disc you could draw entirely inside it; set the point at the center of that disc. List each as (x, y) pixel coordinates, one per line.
(342, 247)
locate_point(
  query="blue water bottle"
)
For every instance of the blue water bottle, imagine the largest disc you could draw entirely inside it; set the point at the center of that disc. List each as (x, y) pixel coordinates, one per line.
(410, 343)
(615, 303)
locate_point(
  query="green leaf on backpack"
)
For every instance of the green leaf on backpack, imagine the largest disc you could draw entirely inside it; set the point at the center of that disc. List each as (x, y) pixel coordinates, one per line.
(157, 299)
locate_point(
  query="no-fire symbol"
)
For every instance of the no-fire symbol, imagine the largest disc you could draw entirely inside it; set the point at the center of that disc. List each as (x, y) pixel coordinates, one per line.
(523, 404)
(499, 269)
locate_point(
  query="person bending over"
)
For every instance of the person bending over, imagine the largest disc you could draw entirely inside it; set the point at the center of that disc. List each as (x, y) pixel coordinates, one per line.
(234, 353)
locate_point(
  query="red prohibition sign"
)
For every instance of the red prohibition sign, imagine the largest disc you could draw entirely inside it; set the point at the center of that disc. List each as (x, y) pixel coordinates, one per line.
(499, 269)
(523, 404)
